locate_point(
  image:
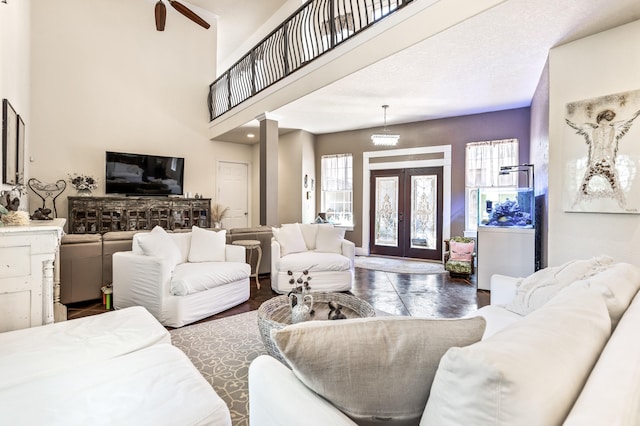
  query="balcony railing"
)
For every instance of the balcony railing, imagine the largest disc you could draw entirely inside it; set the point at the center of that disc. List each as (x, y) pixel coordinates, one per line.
(314, 29)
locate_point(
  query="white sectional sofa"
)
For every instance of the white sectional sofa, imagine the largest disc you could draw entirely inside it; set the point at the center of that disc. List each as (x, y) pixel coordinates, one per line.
(320, 249)
(559, 347)
(181, 277)
(114, 368)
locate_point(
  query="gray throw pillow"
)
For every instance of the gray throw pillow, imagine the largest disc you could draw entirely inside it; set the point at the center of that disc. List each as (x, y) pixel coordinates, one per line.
(375, 370)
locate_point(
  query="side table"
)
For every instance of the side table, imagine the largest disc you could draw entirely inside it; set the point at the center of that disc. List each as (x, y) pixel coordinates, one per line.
(251, 245)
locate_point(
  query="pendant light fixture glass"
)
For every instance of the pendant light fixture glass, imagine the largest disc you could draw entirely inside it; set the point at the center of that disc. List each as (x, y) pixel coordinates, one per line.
(385, 138)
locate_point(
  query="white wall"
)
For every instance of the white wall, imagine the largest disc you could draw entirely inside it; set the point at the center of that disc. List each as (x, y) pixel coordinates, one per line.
(15, 61)
(104, 79)
(605, 63)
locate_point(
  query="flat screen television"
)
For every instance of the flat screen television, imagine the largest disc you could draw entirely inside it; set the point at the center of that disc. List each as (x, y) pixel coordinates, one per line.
(140, 174)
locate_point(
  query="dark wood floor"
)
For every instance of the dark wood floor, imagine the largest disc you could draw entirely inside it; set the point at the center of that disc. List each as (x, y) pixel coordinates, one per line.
(418, 295)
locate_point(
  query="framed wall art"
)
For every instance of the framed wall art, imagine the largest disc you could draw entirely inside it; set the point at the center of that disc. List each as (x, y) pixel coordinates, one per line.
(21, 151)
(602, 154)
(9, 143)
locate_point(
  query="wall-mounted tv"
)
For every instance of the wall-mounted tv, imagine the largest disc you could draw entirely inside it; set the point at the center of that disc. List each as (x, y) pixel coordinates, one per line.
(139, 174)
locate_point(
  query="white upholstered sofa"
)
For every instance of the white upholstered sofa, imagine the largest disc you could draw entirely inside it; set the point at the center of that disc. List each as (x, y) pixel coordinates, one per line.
(320, 249)
(181, 277)
(559, 347)
(118, 367)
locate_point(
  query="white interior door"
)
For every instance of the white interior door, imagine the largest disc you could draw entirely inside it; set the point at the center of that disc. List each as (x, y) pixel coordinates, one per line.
(233, 192)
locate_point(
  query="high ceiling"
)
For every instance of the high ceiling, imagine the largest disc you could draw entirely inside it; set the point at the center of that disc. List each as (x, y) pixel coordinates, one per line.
(490, 62)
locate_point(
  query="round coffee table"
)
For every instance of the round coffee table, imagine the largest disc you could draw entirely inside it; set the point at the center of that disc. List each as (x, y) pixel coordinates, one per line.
(275, 314)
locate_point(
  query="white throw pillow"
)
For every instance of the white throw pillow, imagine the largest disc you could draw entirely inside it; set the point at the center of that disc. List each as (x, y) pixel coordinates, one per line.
(309, 232)
(541, 286)
(157, 243)
(618, 285)
(290, 239)
(183, 242)
(329, 239)
(529, 373)
(207, 246)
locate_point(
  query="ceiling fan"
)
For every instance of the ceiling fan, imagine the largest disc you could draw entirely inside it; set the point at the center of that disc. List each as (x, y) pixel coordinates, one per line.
(161, 14)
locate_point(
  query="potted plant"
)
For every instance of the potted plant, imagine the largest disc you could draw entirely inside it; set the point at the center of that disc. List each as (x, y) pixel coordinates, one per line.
(218, 212)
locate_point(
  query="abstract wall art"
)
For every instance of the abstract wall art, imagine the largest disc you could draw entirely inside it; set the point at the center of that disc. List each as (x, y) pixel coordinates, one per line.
(602, 154)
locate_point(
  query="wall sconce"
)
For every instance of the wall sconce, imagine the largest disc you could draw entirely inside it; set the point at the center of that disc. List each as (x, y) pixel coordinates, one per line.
(385, 138)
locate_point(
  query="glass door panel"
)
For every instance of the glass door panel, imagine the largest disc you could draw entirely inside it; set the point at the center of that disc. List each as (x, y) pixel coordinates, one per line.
(386, 211)
(423, 212)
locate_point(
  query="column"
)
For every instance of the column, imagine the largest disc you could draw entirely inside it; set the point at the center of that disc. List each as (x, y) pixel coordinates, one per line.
(268, 170)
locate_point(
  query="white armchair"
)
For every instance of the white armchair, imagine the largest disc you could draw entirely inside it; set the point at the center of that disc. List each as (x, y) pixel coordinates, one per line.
(320, 249)
(181, 277)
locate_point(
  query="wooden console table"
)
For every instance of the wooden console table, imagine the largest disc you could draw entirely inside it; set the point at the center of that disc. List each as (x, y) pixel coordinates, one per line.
(29, 275)
(97, 215)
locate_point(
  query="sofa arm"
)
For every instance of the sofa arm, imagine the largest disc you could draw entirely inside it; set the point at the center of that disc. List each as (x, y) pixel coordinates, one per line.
(349, 250)
(276, 397)
(503, 289)
(235, 253)
(140, 280)
(275, 257)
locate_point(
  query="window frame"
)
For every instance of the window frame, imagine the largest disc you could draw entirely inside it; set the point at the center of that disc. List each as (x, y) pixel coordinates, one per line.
(491, 178)
(341, 189)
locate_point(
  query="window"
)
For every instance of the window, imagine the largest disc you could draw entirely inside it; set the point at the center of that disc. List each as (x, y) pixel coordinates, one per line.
(337, 188)
(483, 162)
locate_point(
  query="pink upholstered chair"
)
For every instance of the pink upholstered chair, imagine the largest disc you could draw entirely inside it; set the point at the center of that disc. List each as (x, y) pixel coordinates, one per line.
(459, 257)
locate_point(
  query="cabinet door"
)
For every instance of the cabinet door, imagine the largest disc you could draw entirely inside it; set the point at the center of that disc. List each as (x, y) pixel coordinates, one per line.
(181, 216)
(201, 210)
(160, 215)
(83, 216)
(113, 215)
(138, 218)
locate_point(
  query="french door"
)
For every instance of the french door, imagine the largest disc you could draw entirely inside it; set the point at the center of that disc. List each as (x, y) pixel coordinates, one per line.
(406, 212)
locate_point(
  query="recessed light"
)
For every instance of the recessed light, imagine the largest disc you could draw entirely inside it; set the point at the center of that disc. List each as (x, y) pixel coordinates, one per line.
(251, 135)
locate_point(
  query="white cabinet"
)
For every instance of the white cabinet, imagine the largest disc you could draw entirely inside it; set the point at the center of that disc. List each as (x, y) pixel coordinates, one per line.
(29, 279)
(506, 251)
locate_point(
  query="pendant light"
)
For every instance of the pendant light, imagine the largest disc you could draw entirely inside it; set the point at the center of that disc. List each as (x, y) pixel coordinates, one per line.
(385, 138)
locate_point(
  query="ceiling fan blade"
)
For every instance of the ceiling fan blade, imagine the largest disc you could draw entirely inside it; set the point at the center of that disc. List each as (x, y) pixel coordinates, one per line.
(161, 15)
(189, 13)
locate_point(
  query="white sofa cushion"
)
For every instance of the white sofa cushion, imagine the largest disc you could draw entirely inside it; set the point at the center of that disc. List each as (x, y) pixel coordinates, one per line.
(157, 385)
(529, 373)
(329, 239)
(207, 246)
(540, 287)
(188, 278)
(497, 318)
(158, 243)
(375, 370)
(33, 353)
(618, 285)
(313, 262)
(290, 238)
(612, 392)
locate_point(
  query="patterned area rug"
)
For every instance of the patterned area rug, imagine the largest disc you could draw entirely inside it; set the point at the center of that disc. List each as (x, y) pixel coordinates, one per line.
(403, 266)
(222, 351)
